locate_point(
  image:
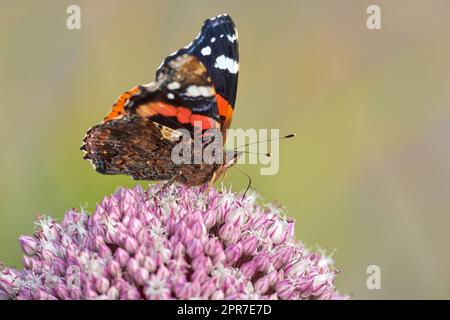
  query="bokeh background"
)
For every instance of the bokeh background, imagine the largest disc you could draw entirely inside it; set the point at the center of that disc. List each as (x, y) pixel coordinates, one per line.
(367, 175)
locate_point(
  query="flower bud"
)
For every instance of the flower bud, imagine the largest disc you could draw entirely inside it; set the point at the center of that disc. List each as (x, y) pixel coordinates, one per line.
(218, 295)
(212, 247)
(285, 289)
(28, 245)
(262, 285)
(130, 244)
(141, 276)
(262, 262)
(227, 232)
(233, 253)
(277, 232)
(209, 219)
(132, 265)
(194, 248)
(235, 217)
(102, 285)
(249, 245)
(248, 269)
(122, 257)
(149, 264)
(113, 268)
(104, 251)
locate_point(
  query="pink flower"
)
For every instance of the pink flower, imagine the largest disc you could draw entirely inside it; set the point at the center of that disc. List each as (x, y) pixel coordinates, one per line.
(169, 243)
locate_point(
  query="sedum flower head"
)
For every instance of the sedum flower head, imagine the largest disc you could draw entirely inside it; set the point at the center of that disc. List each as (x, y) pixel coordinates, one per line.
(169, 243)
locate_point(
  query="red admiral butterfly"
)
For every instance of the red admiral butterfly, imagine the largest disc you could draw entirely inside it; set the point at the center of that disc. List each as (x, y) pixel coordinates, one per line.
(195, 90)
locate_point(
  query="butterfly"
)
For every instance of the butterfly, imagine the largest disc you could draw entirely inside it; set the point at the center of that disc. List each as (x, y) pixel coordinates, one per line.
(194, 91)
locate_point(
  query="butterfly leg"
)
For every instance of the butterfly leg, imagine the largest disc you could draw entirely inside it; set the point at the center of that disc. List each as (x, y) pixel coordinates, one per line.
(224, 176)
(168, 183)
(210, 183)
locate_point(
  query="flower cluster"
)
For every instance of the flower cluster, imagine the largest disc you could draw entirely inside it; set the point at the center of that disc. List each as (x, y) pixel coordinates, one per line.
(169, 243)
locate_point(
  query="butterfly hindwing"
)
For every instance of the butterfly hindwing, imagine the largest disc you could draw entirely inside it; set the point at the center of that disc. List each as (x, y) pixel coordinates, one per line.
(130, 145)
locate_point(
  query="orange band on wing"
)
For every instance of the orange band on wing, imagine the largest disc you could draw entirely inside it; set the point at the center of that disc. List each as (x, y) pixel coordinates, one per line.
(160, 108)
(184, 115)
(118, 107)
(225, 110)
(204, 122)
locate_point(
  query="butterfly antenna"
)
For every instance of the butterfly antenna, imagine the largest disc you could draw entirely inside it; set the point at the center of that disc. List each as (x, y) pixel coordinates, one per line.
(259, 154)
(291, 135)
(249, 181)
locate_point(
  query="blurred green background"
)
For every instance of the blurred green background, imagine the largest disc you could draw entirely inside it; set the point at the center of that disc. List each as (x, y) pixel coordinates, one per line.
(368, 173)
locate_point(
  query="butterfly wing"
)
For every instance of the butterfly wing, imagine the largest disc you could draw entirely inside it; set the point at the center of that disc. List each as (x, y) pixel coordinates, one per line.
(201, 78)
(144, 125)
(130, 145)
(216, 47)
(182, 97)
(195, 89)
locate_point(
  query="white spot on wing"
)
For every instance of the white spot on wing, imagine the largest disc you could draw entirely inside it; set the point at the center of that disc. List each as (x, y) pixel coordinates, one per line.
(232, 38)
(205, 91)
(218, 16)
(174, 85)
(213, 39)
(206, 51)
(149, 86)
(195, 91)
(192, 91)
(170, 95)
(225, 63)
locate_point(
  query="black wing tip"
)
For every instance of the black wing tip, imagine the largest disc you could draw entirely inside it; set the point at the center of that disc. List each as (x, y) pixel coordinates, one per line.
(223, 18)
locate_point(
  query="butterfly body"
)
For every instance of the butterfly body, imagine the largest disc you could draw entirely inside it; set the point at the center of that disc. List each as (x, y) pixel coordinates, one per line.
(194, 91)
